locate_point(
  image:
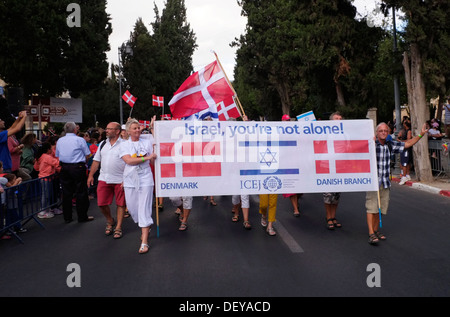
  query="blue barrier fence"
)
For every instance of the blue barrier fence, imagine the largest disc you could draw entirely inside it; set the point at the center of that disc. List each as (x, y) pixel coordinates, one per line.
(21, 203)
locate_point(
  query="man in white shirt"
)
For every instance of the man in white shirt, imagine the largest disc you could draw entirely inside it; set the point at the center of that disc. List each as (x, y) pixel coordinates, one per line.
(110, 179)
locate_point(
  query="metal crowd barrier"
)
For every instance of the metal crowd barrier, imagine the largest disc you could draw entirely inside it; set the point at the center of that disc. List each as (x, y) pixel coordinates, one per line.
(439, 157)
(21, 203)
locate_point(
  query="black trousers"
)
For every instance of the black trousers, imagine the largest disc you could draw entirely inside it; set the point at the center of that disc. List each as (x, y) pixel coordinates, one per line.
(73, 180)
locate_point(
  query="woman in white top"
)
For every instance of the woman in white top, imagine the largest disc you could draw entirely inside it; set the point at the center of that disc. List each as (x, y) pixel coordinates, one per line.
(138, 179)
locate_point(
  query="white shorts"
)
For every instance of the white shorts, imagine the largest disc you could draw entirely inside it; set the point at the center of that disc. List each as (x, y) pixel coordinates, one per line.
(243, 199)
(186, 201)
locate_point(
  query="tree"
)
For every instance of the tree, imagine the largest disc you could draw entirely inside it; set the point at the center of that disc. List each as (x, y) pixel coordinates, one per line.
(161, 61)
(100, 104)
(427, 38)
(308, 52)
(140, 70)
(40, 53)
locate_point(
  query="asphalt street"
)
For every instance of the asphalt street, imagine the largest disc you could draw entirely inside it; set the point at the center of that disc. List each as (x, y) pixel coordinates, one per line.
(216, 257)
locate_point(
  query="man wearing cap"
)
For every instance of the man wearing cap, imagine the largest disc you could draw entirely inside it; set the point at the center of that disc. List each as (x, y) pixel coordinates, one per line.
(285, 117)
(73, 154)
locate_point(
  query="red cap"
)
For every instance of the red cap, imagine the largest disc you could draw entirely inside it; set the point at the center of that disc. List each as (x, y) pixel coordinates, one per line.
(285, 117)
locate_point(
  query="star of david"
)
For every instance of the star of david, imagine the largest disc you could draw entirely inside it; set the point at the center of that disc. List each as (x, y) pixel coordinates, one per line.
(268, 157)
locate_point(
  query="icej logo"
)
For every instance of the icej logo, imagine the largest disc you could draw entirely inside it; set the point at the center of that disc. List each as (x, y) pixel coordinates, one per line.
(272, 183)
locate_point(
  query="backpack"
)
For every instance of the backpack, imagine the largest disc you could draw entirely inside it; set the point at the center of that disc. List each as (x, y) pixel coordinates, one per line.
(102, 144)
(100, 147)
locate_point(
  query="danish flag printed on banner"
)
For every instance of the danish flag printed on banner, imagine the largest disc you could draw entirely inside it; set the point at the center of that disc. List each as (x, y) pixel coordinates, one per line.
(158, 101)
(342, 166)
(129, 98)
(202, 90)
(191, 152)
(227, 109)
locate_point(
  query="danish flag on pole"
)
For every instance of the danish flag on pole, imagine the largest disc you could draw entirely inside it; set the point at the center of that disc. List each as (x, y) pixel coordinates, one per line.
(145, 124)
(200, 91)
(158, 101)
(227, 109)
(129, 98)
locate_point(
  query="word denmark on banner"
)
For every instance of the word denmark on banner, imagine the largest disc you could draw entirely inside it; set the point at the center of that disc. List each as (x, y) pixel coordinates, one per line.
(202, 158)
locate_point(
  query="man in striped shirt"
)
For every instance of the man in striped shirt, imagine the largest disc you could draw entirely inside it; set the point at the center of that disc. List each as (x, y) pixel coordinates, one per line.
(384, 149)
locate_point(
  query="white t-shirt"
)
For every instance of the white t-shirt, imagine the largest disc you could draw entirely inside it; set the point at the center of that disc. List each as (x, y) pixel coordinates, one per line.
(140, 175)
(434, 131)
(112, 165)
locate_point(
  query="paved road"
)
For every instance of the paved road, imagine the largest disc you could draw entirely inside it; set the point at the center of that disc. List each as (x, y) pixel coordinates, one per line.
(218, 258)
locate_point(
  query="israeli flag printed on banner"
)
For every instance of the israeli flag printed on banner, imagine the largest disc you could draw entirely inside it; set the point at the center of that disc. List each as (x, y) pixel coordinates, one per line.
(208, 112)
(307, 116)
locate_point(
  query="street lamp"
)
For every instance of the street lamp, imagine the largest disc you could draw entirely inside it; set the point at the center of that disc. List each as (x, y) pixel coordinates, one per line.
(128, 50)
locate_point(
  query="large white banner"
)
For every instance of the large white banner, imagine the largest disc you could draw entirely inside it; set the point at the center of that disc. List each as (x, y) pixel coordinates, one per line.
(203, 158)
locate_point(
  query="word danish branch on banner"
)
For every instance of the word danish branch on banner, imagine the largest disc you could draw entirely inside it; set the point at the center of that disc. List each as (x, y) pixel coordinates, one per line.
(202, 158)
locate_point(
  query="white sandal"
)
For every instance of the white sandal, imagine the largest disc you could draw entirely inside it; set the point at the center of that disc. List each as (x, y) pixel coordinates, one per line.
(263, 221)
(271, 231)
(142, 248)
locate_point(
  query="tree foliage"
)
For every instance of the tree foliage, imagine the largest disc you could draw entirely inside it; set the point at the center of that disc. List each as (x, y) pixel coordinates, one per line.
(298, 56)
(425, 64)
(40, 53)
(427, 25)
(160, 60)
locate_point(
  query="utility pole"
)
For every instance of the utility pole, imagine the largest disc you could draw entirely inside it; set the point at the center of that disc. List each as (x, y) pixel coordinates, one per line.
(398, 123)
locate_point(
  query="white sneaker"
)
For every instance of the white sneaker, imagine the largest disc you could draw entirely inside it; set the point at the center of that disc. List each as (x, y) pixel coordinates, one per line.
(403, 180)
(45, 214)
(408, 177)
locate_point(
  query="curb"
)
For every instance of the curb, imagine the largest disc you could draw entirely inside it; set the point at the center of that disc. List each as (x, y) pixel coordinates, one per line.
(427, 188)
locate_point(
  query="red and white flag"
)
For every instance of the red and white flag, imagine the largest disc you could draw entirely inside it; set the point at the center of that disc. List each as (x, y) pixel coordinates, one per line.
(129, 98)
(158, 101)
(227, 109)
(200, 91)
(145, 124)
(342, 166)
(166, 117)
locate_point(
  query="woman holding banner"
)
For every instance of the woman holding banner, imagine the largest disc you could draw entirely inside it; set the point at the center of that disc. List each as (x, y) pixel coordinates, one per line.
(138, 179)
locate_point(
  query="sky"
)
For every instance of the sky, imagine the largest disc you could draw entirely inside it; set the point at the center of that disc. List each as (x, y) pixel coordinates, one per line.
(216, 23)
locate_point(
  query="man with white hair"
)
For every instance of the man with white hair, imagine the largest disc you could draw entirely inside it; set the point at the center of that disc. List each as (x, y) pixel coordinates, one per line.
(73, 153)
(384, 149)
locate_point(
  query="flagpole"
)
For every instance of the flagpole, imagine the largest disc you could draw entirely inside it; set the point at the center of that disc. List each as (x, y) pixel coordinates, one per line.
(229, 83)
(152, 127)
(379, 208)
